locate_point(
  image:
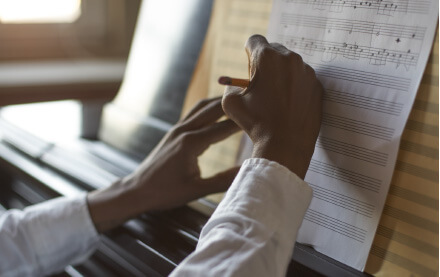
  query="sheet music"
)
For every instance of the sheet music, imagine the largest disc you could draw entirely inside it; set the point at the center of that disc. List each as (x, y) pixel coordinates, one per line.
(406, 241)
(370, 56)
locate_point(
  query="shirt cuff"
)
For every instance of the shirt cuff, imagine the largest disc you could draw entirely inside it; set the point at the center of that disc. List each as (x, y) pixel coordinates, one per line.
(61, 231)
(269, 193)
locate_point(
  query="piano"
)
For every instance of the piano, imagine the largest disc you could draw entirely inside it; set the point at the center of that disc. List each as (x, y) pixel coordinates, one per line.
(115, 138)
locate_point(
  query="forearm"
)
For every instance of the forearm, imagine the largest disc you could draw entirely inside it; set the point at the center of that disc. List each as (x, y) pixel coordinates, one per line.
(46, 237)
(253, 230)
(116, 204)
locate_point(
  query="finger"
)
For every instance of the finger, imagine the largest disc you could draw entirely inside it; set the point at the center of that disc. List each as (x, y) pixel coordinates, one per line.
(255, 43)
(202, 103)
(309, 70)
(219, 182)
(234, 106)
(254, 46)
(211, 134)
(206, 115)
(280, 48)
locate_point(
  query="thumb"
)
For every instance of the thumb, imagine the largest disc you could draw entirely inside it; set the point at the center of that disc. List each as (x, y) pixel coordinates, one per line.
(211, 134)
(234, 106)
(219, 182)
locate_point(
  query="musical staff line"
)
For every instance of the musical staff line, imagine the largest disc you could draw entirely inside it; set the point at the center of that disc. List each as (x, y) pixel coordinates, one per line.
(332, 50)
(344, 175)
(354, 26)
(382, 7)
(370, 56)
(353, 151)
(336, 225)
(358, 127)
(363, 77)
(343, 201)
(363, 102)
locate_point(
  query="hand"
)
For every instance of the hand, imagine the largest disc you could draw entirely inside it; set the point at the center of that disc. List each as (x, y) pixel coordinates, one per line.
(169, 176)
(281, 108)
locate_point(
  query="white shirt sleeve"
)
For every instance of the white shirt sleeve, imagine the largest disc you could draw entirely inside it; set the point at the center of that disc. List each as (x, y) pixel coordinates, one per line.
(44, 238)
(253, 230)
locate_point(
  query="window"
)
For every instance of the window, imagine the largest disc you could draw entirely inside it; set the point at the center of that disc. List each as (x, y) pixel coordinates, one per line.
(66, 29)
(39, 11)
(62, 36)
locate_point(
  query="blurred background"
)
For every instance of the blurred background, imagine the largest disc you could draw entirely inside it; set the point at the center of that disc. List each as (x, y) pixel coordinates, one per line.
(66, 29)
(87, 89)
(62, 49)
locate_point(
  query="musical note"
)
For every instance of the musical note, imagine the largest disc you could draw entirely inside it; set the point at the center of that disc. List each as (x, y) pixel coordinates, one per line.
(329, 54)
(379, 58)
(350, 31)
(370, 69)
(407, 56)
(319, 4)
(387, 8)
(354, 26)
(353, 51)
(309, 47)
(337, 5)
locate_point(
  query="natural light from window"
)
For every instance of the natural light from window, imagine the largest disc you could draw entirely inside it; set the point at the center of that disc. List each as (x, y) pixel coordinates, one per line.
(39, 11)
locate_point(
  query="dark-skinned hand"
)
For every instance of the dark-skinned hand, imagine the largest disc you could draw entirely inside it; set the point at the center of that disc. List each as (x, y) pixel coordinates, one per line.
(280, 110)
(169, 176)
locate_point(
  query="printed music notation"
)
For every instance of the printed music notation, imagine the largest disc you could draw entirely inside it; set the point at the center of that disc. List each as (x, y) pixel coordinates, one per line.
(399, 32)
(383, 7)
(331, 50)
(353, 151)
(336, 225)
(362, 77)
(357, 126)
(364, 102)
(343, 201)
(370, 56)
(351, 177)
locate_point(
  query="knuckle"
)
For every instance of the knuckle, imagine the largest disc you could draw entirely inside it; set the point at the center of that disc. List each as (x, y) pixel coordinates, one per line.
(265, 53)
(228, 102)
(187, 138)
(278, 46)
(321, 89)
(256, 40)
(202, 102)
(294, 57)
(177, 130)
(309, 70)
(230, 96)
(255, 37)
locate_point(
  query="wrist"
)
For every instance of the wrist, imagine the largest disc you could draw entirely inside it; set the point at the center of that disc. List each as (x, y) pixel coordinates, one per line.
(114, 205)
(283, 153)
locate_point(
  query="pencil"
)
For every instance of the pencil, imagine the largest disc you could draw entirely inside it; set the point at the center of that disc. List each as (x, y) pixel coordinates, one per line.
(225, 80)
